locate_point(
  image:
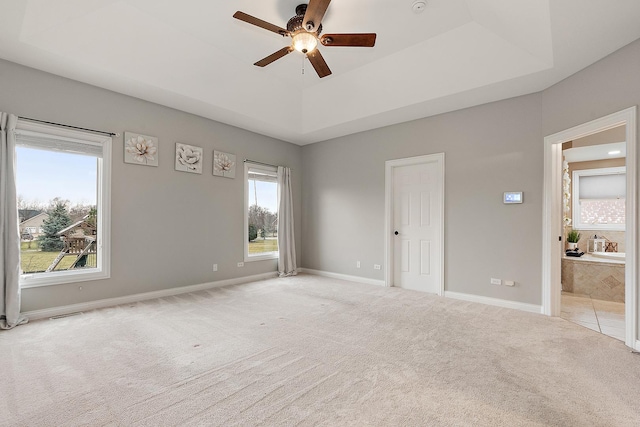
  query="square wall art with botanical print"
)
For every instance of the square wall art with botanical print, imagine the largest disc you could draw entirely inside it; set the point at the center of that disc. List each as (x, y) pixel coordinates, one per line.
(224, 164)
(188, 158)
(140, 149)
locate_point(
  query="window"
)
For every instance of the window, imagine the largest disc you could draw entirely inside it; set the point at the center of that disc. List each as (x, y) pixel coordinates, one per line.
(599, 197)
(261, 212)
(64, 174)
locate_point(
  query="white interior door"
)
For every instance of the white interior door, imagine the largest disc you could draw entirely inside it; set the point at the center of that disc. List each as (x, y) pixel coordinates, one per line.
(417, 225)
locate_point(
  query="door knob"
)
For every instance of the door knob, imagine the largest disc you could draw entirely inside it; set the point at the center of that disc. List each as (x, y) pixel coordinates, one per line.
(396, 233)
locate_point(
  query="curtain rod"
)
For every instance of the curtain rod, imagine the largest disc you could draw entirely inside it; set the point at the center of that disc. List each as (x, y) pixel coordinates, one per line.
(69, 126)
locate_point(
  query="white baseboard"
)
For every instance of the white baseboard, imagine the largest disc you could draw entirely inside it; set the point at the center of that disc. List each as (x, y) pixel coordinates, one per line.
(339, 276)
(637, 346)
(110, 302)
(532, 308)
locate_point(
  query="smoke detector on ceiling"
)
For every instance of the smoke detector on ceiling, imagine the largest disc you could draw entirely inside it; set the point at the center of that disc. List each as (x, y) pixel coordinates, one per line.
(418, 6)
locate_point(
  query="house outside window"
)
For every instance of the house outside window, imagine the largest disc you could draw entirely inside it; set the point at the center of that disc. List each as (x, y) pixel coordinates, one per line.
(599, 198)
(31, 222)
(64, 176)
(261, 212)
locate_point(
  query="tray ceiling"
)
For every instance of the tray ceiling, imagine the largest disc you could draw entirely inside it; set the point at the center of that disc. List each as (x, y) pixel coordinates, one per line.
(193, 56)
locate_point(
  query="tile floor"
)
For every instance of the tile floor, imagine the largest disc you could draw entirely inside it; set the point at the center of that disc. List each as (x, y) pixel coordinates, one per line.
(606, 317)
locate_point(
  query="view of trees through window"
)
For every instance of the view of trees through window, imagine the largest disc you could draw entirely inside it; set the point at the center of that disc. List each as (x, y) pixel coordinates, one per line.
(262, 212)
(57, 211)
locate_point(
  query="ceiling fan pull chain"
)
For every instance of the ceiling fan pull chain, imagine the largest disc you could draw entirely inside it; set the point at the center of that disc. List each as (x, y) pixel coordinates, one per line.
(303, 58)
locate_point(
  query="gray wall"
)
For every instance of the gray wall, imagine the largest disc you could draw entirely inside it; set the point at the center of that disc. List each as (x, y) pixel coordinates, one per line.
(168, 227)
(489, 149)
(340, 199)
(605, 87)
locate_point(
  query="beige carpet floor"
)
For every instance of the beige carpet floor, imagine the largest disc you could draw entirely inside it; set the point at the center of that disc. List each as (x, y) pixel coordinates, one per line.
(314, 351)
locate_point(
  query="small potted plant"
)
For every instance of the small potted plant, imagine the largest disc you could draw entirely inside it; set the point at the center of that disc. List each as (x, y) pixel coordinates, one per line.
(573, 237)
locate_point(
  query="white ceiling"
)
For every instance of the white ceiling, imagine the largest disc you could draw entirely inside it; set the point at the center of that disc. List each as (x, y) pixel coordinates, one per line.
(193, 56)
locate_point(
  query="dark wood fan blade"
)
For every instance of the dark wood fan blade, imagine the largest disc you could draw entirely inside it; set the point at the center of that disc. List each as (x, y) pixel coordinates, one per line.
(353, 40)
(319, 63)
(314, 14)
(276, 55)
(260, 23)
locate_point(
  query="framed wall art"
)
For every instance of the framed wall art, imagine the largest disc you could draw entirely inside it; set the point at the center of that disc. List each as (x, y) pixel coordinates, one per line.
(188, 158)
(224, 164)
(140, 149)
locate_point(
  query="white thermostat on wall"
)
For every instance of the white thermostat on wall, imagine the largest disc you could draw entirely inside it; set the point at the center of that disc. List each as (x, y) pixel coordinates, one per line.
(512, 197)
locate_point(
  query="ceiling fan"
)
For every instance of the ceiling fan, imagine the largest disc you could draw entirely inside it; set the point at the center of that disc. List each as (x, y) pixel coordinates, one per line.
(304, 29)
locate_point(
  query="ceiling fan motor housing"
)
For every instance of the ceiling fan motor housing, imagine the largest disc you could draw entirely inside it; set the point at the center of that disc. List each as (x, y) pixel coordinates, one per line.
(296, 23)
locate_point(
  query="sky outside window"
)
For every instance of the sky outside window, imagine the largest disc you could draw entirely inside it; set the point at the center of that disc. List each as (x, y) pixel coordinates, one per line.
(267, 194)
(44, 175)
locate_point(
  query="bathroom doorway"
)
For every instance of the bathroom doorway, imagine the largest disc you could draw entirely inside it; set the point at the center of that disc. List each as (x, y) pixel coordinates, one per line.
(593, 226)
(555, 231)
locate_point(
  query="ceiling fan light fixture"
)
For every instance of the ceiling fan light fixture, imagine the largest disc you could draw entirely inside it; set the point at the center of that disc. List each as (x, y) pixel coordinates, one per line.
(304, 41)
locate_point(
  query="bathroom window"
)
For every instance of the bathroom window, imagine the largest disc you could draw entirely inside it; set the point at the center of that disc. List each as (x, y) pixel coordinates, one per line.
(599, 197)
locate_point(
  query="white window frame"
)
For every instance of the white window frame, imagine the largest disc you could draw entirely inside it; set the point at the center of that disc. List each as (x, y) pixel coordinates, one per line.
(576, 197)
(103, 269)
(269, 170)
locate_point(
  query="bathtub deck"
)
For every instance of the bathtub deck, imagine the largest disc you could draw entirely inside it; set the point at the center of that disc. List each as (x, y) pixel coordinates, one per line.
(599, 278)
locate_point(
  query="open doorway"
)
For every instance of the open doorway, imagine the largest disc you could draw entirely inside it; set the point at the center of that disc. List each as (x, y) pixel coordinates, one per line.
(594, 227)
(554, 234)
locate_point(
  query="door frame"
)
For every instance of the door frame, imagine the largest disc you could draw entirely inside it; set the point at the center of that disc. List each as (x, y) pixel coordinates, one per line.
(390, 165)
(552, 216)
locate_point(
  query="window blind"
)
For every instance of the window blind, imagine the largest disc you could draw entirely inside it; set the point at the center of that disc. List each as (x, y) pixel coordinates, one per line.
(261, 175)
(39, 141)
(603, 186)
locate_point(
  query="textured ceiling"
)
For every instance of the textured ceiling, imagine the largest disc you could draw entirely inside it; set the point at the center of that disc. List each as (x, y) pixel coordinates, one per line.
(193, 56)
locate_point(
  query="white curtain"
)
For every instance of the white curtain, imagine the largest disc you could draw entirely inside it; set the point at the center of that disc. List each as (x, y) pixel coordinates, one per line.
(286, 241)
(9, 232)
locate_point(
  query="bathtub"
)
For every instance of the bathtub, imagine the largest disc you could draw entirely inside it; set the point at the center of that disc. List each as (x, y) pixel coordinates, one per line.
(617, 256)
(600, 275)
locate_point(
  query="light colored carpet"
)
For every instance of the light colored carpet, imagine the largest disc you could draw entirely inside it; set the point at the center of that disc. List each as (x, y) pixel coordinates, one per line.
(314, 351)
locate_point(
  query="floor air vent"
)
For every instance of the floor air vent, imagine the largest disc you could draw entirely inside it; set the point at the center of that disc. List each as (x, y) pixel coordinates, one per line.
(62, 316)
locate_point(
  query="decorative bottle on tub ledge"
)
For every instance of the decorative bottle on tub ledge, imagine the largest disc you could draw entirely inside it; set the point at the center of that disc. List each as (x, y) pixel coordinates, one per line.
(596, 244)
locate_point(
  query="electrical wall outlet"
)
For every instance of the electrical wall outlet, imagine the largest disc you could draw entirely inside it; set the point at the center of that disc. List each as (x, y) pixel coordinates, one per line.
(496, 281)
(215, 267)
(509, 283)
(376, 266)
(241, 264)
(357, 264)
